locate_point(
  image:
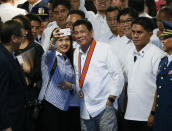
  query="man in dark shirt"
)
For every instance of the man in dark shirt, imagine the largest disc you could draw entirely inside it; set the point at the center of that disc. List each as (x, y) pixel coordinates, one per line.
(12, 81)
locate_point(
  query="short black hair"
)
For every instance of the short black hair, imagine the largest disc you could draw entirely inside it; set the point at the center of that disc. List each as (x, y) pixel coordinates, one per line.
(133, 13)
(34, 17)
(10, 28)
(78, 12)
(83, 22)
(138, 5)
(112, 8)
(145, 22)
(66, 3)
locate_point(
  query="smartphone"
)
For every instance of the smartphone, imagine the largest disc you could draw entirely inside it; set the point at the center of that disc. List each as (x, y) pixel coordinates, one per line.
(65, 32)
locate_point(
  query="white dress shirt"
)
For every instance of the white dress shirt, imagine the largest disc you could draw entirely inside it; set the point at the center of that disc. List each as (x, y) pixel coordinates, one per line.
(120, 47)
(141, 75)
(7, 11)
(104, 77)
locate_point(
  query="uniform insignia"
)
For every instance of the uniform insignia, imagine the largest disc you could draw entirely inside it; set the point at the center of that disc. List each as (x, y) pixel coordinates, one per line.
(170, 72)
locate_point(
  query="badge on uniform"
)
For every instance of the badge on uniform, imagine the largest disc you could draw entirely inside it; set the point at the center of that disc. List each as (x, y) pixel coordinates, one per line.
(170, 72)
(41, 11)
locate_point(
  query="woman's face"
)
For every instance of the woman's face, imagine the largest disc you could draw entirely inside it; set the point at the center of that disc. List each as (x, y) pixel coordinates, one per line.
(63, 44)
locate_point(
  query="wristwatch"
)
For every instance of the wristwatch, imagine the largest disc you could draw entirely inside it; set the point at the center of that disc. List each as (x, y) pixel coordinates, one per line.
(111, 99)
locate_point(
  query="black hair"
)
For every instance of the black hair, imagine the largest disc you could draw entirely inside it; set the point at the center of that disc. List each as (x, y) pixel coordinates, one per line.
(112, 8)
(138, 5)
(151, 7)
(34, 17)
(66, 3)
(145, 22)
(83, 22)
(10, 28)
(26, 25)
(78, 12)
(3, 1)
(130, 11)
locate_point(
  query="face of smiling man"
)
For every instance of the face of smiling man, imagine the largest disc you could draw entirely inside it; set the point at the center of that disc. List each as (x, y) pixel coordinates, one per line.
(83, 36)
(102, 5)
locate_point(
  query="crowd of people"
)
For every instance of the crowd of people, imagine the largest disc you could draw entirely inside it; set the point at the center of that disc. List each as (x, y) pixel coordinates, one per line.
(86, 65)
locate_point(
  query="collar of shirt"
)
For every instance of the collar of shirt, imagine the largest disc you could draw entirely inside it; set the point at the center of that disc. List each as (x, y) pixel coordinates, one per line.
(81, 51)
(112, 36)
(58, 53)
(31, 6)
(142, 51)
(169, 59)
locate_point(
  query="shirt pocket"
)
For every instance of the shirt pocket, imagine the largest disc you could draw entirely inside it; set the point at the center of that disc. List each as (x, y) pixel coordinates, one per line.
(100, 65)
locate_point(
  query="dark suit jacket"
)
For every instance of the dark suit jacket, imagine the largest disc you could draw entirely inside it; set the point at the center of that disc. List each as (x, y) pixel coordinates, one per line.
(12, 84)
(26, 5)
(163, 111)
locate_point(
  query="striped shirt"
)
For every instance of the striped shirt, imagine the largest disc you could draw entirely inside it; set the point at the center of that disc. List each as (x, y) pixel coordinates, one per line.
(63, 72)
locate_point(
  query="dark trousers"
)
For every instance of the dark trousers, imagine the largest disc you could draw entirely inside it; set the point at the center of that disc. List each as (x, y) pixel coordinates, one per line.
(74, 119)
(30, 124)
(52, 118)
(136, 126)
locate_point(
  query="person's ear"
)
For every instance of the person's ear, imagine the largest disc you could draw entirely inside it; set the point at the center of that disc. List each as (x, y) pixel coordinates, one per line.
(150, 33)
(13, 38)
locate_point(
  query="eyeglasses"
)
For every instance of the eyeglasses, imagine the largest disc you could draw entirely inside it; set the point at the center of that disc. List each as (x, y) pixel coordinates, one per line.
(129, 20)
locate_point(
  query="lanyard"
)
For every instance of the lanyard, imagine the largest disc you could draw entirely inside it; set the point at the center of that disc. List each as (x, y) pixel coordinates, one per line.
(86, 65)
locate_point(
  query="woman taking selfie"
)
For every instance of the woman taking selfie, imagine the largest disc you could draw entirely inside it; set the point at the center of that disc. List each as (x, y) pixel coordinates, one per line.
(57, 71)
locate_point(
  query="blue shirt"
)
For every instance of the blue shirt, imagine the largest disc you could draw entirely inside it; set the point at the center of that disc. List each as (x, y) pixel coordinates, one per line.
(63, 72)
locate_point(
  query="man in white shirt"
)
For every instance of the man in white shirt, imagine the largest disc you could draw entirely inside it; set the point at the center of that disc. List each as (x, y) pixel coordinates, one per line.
(141, 66)
(8, 10)
(60, 10)
(111, 18)
(99, 80)
(101, 29)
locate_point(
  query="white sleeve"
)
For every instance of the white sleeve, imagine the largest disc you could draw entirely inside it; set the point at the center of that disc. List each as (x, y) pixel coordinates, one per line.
(46, 36)
(155, 62)
(75, 63)
(116, 73)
